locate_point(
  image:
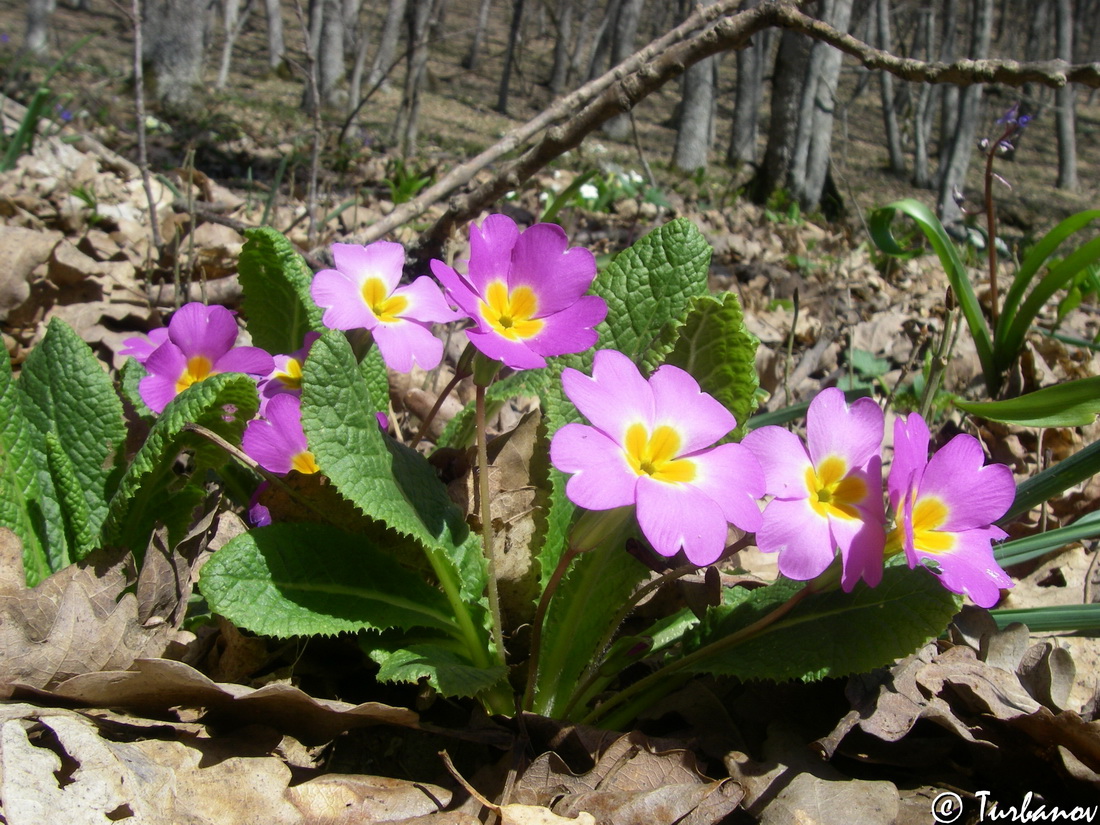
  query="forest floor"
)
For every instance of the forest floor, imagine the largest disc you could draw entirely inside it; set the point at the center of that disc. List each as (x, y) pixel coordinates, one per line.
(299, 730)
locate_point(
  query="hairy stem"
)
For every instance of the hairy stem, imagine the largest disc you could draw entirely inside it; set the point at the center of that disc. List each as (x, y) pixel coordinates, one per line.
(487, 523)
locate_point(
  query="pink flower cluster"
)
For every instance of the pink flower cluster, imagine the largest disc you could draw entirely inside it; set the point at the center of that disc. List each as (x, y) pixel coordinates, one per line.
(650, 442)
(649, 446)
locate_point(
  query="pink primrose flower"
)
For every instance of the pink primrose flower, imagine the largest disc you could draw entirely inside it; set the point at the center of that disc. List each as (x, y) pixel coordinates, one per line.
(525, 292)
(200, 343)
(286, 376)
(827, 492)
(140, 347)
(945, 507)
(648, 447)
(363, 292)
(277, 441)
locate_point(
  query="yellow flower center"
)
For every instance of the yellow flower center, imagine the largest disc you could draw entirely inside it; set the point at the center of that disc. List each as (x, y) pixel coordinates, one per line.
(291, 377)
(198, 369)
(654, 454)
(386, 308)
(510, 313)
(929, 514)
(305, 463)
(832, 491)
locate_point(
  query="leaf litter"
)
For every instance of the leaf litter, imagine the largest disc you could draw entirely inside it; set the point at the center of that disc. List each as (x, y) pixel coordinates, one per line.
(184, 747)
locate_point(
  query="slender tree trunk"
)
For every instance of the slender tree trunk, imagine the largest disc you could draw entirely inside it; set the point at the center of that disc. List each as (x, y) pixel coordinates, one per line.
(958, 158)
(510, 55)
(235, 18)
(474, 54)
(276, 46)
(791, 64)
(886, 81)
(563, 26)
(948, 95)
(1064, 100)
(173, 47)
(696, 127)
(330, 55)
(387, 43)
(809, 186)
(604, 34)
(419, 15)
(36, 37)
(622, 46)
(749, 95)
(922, 113)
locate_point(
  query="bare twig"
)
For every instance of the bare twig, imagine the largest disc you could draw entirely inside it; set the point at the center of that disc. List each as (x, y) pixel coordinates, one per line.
(139, 113)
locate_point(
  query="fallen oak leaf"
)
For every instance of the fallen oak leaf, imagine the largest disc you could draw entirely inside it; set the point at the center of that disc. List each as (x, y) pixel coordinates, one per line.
(79, 620)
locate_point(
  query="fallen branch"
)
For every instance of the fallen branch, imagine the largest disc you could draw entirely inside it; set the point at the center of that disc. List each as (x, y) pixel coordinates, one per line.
(711, 29)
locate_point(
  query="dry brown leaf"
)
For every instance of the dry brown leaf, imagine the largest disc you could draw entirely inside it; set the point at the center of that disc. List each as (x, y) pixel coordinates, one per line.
(156, 685)
(537, 815)
(631, 782)
(347, 799)
(79, 620)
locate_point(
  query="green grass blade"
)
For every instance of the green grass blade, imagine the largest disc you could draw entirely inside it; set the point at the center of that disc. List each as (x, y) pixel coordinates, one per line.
(1072, 404)
(1032, 547)
(956, 273)
(1083, 618)
(1054, 480)
(1035, 258)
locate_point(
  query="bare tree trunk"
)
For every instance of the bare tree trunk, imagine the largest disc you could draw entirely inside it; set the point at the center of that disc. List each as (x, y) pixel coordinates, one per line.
(510, 55)
(234, 19)
(387, 43)
(953, 173)
(330, 54)
(949, 95)
(579, 60)
(602, 37)
(1064, 100)
(563, 25)
(276, 46)
(694, 133)
(791, 64)
(173, 47)
(886, 85)
(810, 187)
(922, 113)
(36, 38)
(472, 57)
(622, 46)
(418, 17)
(751, 63)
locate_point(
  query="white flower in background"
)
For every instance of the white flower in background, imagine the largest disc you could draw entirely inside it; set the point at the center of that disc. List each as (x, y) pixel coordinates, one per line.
(589, 192)
(635, 177)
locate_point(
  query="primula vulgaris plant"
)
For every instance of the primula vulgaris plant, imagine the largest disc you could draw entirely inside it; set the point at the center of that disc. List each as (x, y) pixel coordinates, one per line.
(646, 478)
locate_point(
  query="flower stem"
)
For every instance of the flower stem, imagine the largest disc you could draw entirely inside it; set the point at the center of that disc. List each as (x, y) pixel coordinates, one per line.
(540, 618)
(991, 224)
(487, 523)
(427, 422)
(643, 686)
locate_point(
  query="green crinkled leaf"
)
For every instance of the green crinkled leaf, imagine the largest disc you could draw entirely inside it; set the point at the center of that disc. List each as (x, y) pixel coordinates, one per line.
(275, 281)
(557, 411)
(310, 579)
(720, 353)
(444, 669)
(20, 493)
(74, 509)
(1070, 404)
(649, 286)
(69, 395)
(827, 634)
(373, 370)
(580, 614)
(129, 384)
(386, 480)
(150, 489)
